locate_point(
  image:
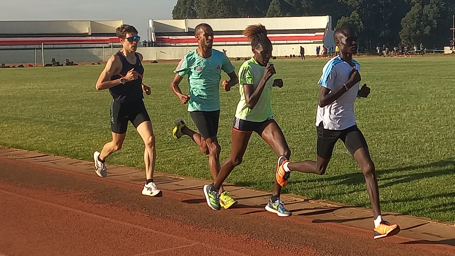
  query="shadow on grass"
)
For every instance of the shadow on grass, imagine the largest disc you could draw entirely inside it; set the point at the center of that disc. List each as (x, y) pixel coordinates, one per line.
(436, 169)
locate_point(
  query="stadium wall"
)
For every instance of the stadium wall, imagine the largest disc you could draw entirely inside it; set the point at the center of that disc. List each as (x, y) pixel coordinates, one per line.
(27, 56)
(243, 51)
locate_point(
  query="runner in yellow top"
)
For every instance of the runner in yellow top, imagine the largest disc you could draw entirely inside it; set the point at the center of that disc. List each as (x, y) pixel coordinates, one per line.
(254, 114)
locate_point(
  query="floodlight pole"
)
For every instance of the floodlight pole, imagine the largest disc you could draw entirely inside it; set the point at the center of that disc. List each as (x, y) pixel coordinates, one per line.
(453, 28)
(42, 54)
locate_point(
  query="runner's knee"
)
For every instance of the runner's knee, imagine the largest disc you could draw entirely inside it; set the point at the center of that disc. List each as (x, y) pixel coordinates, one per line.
(368, 169)
(214, 149)
(149, 142)
(117, 147)
(236, 161)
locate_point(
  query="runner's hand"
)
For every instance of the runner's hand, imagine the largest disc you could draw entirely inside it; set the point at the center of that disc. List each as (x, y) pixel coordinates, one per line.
(184, 98)
(131, 75)
(278, 83)
(354, 78)
(146, 89)
(364, 91)
(268, 72)
(226, 85)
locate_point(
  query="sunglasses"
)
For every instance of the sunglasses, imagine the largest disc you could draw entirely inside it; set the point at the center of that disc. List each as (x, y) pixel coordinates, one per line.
(133, 38)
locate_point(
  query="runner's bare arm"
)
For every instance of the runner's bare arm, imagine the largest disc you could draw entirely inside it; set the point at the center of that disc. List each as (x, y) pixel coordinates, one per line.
(112, 68)
(184, 98)
(327, 98)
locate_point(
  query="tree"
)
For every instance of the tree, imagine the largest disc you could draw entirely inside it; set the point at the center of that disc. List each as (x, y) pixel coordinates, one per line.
(184, 9)
(353, 21)
(421, 22)
(377, 21)
(274, 9)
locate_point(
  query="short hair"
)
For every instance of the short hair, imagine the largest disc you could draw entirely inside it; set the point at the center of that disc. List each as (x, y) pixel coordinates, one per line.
(257, 35)
(198, 27)
(125, 29)
(342, 30)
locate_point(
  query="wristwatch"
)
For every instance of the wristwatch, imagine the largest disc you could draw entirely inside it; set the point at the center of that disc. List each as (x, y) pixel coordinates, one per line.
(122, 80)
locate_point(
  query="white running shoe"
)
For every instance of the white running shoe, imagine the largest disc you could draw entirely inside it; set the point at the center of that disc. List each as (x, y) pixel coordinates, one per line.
(150, 189)
(100, 167)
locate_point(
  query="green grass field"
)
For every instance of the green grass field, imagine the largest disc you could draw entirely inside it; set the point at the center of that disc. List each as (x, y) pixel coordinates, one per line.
(408, 122)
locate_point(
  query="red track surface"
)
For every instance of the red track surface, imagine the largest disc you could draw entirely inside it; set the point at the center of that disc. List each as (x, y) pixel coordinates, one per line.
(44, 211)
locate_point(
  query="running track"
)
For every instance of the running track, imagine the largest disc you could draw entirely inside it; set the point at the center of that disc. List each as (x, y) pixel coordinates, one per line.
(44, 211)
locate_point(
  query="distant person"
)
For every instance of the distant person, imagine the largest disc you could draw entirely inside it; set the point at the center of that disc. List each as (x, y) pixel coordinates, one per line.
(203, 67)
(302, 52)
(318, 48)
(339, 88)
(406, 51)
(123, 77)
(337, 50)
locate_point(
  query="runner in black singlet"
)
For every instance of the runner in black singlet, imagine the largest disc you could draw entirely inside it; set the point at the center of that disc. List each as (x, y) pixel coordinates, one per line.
(123, 77)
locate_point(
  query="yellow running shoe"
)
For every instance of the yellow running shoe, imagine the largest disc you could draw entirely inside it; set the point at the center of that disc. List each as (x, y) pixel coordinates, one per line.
(177, 131)
(226, 200)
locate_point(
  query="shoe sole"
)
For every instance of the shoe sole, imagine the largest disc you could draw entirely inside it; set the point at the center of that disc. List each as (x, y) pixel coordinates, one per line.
(390, 233)
(174, 133)
(227, 206)
(284, 181)
(154, 194)
(178, 121)
(103, 173)
(207, 198)
(276, 212)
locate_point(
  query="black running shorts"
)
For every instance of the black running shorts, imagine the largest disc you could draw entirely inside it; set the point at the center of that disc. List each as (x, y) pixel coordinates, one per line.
(206, 122)
(249, 126)
(352, 137)
(122, 113)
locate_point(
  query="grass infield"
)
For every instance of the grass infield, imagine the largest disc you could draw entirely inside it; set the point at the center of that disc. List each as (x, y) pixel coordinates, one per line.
(408, 123)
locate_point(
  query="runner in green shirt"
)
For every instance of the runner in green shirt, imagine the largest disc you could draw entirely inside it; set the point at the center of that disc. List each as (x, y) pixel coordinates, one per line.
(254, 114)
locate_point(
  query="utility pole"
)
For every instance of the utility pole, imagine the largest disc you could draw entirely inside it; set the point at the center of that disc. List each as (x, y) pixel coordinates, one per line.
(453, 29)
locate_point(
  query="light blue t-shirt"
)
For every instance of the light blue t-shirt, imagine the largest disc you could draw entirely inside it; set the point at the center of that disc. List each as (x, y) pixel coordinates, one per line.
(204, 75)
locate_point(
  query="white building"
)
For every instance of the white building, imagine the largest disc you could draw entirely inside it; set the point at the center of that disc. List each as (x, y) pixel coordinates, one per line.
(175, 38)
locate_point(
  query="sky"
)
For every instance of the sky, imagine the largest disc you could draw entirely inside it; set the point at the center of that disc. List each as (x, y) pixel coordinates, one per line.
(136, 12)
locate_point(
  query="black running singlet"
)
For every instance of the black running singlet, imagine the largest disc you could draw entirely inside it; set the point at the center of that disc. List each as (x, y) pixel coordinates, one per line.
(129, 92)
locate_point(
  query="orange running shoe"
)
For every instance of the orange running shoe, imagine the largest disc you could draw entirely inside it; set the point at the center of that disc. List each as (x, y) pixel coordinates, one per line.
(282, 175)
(386, 229)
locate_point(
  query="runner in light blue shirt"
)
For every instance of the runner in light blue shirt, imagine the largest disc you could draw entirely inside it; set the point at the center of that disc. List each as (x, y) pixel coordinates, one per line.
(203, 67)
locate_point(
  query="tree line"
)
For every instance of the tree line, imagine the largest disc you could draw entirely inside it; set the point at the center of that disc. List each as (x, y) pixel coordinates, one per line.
(377, 22)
